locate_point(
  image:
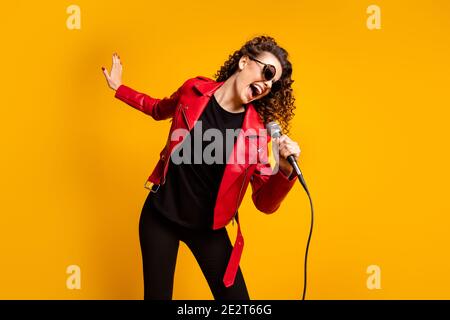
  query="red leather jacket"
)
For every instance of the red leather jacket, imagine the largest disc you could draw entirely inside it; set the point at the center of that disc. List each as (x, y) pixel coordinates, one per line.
(184, 107)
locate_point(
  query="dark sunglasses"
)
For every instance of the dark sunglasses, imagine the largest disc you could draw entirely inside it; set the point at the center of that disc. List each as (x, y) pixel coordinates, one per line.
(269, 72)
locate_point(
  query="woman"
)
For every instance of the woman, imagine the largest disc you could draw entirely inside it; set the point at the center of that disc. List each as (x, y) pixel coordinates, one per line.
(193, 201)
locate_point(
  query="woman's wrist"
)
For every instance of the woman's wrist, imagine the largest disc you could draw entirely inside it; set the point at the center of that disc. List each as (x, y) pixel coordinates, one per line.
(286, 170)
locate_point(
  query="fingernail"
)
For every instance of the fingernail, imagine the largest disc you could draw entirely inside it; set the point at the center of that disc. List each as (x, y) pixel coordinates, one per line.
(103, 68)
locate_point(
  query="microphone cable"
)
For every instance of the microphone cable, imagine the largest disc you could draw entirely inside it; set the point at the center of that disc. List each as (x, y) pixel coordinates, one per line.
(303, 183)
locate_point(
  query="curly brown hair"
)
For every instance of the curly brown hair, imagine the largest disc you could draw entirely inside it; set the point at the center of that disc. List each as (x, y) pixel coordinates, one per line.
(275, 106)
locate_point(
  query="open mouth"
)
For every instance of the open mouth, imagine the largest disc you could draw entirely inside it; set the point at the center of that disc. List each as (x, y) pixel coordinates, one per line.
(255, 90)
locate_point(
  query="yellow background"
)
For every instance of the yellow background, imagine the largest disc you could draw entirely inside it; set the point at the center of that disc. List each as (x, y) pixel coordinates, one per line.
(372, 122)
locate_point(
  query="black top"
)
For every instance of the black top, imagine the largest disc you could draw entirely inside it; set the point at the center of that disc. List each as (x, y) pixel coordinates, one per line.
(189, 193)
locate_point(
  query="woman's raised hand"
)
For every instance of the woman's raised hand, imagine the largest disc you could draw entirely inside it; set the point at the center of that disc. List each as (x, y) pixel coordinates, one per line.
(114, 79)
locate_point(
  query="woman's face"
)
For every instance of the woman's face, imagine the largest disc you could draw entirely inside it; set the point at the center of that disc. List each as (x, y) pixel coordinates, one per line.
(250, 82)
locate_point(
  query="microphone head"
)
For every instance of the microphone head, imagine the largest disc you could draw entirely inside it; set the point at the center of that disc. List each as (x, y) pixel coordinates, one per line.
(273, 128)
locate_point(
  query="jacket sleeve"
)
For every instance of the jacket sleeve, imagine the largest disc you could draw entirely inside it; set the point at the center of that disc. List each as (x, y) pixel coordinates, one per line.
(158, 109)
(269, 190)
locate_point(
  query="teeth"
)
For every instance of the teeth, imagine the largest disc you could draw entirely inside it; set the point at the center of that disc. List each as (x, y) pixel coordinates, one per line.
(258, 89)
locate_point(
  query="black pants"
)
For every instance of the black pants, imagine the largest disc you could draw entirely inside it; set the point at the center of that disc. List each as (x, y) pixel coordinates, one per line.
(159, 239)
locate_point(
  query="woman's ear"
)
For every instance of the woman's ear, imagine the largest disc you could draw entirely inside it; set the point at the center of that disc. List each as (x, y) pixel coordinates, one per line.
(242, 62)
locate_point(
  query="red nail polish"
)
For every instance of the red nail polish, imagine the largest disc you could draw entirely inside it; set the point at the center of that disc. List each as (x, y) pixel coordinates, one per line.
(103, 68)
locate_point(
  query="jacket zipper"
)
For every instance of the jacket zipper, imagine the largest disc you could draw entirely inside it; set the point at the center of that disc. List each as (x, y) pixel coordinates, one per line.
(239, 196)
(185, 118)
(167, 145)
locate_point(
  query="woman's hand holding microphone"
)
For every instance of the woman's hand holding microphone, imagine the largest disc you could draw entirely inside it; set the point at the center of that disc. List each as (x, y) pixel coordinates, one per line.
(287, 147)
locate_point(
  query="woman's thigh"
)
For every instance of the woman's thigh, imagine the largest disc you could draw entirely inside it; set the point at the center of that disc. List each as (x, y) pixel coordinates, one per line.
(159, 246)
(212, 249)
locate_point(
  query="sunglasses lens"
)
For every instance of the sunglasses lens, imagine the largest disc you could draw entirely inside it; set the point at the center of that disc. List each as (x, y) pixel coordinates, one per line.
(269, 72)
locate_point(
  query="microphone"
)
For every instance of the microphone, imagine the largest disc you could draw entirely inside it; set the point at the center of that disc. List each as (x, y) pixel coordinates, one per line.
(274, 130)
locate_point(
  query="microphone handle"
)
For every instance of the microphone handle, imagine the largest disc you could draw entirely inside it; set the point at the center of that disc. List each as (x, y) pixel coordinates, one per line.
(294, 164)
(298, 172)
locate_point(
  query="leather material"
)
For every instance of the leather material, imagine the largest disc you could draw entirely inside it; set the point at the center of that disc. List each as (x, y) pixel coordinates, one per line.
(248, 162)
